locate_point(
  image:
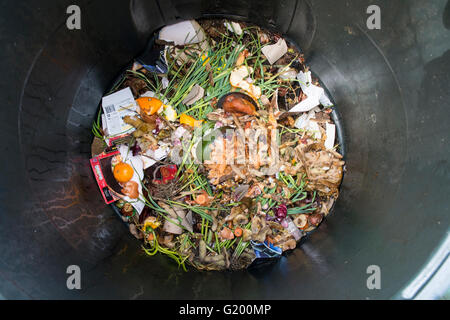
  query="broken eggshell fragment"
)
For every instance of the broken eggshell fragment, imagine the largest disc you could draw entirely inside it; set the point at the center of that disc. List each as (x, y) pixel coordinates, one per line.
(234, 27)
(238, 79)
(275, 51)
(287, 73)
(182, 33)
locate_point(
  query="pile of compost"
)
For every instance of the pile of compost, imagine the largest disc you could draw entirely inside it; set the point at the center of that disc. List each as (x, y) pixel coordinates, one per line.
(217, 146)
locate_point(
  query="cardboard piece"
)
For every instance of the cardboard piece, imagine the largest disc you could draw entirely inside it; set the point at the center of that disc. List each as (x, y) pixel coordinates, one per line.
(115, 107)
(196, 94)
(331, 136)
(100, 166)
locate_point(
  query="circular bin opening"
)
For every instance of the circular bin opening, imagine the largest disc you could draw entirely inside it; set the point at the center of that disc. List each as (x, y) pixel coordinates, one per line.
(212, 89)
(392, 100)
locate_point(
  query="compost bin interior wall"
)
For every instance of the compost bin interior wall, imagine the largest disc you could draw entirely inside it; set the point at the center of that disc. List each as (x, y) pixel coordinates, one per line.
(391, 87)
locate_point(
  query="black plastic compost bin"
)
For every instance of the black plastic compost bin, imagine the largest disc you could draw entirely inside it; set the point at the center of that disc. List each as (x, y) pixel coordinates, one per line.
(391, 87)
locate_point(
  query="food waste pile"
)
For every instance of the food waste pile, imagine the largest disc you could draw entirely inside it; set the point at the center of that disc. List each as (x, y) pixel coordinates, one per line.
(217, 146)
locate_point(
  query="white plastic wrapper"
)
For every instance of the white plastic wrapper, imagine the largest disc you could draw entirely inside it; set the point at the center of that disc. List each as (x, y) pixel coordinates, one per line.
(153, 156)
(305, 122)
(293, 230)
(315, 95)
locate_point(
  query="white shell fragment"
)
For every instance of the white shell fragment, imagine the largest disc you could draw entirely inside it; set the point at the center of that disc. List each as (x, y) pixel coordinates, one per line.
(331, 135)
(239, 74)
(196, 94)
(180, 132)
(287, 73)
(293, 230)
(165, 82)
(150, 157)
(315, 130)
(185, 32)
(170, 113)
(234, 27)
(275, 51)
(304, 122)
(315, 95)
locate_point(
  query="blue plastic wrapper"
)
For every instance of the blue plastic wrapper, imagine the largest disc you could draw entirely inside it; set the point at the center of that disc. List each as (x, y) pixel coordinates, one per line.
(152, 58)
(156, 66)
(266, 250)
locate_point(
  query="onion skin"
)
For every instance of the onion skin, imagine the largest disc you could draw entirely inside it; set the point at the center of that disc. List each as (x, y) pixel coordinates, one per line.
(131, 189)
